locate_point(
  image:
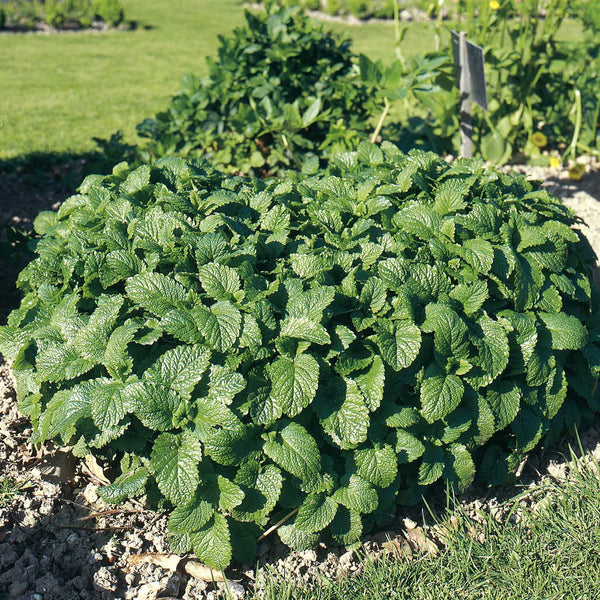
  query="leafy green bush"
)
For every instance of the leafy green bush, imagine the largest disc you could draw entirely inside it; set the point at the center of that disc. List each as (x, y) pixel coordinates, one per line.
(281, 90)
(542, 91)
(59, 13)
(2, 17)
(109, 11)
(321, 347)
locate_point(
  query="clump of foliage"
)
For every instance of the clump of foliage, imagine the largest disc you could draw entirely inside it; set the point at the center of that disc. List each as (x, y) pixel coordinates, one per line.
(542, 91)
(319, 348)
(361, 9)
(61, 13)
(281, 90)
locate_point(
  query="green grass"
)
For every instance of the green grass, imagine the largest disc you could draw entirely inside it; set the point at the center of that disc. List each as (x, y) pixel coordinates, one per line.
(553, 553)
(59, 91)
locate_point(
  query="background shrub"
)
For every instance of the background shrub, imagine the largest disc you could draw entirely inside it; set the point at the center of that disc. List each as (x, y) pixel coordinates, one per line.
(282, 89)
(329, 343)
(58, 13)
(109, 11)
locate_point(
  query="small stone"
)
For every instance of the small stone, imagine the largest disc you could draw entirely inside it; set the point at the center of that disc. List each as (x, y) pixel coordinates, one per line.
(308, 556)
(18, 588)
(72, 537)
(172, 586)
(236, 589)
(149, 591)
(36, 597)
(346, 560)
(104, 580)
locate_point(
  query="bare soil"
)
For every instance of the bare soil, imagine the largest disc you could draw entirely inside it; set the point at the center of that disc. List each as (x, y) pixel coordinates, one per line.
(60, 541)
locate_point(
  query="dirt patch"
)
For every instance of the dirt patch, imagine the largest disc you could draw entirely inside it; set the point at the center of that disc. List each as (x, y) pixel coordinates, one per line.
(60, 541)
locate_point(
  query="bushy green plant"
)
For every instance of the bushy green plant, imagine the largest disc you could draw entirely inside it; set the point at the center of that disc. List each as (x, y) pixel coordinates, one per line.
(312, 4)
(2, 17)
(109, 11)
(321, 347)
(58, 13)
(282, 89)
(359, 8)
(534, 82)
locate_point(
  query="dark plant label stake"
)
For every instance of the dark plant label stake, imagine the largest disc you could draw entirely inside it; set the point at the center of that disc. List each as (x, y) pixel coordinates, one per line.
(470, 80)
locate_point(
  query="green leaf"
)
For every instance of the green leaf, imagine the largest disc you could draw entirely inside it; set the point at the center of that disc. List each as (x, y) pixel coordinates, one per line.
(346, 528)
(155, 292)
(304, 329)
(107, 404)
(432, 465)
(174, 464)
(479, 254)
(450, 333)
(261, 486)
(372, 383)
(408, 446)
(471, 295)
(130, 484)
(345, 417)
(212, 544)
(294, 537)
(493, 351)
(190, 517)
(311, 113)
(294, 382)
(567, 331)
(315, 513)
(153, 404)
(219, 281)
(179, 369)
(220, 325)
(440, 394)
(291, 447)
(399, 343)
(460, 468)
(356, 494)
(377, 465)
(528, 428)
(504, 398)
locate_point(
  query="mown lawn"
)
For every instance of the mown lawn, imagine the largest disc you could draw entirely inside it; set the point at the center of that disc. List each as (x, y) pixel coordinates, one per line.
(547, 551)
(59, 91)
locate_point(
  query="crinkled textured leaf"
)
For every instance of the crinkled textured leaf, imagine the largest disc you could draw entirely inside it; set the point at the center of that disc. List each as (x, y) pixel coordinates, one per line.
(294, 450)
(316, 512)
(212, 543)
(440, 394)
(399, 342)
(174, 464)
(294, 383)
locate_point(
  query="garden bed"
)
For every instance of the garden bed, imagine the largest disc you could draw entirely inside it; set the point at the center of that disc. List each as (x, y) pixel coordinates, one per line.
(58, 540)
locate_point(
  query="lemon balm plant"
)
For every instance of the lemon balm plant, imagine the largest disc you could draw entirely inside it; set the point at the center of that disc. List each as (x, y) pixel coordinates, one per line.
(319, 348)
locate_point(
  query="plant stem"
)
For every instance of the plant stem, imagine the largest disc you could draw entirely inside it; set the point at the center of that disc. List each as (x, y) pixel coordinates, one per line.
(573, 147)
(384, 114)
(397, 31)
(278, 524)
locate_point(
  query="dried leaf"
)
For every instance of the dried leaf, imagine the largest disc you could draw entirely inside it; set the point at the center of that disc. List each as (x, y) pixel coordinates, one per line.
(200, 571)
(95, 469)
(166, 561)
(420, 542)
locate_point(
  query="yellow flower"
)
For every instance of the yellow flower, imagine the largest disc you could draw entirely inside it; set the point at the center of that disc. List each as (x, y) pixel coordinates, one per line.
(494, 4)
(554, 162)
